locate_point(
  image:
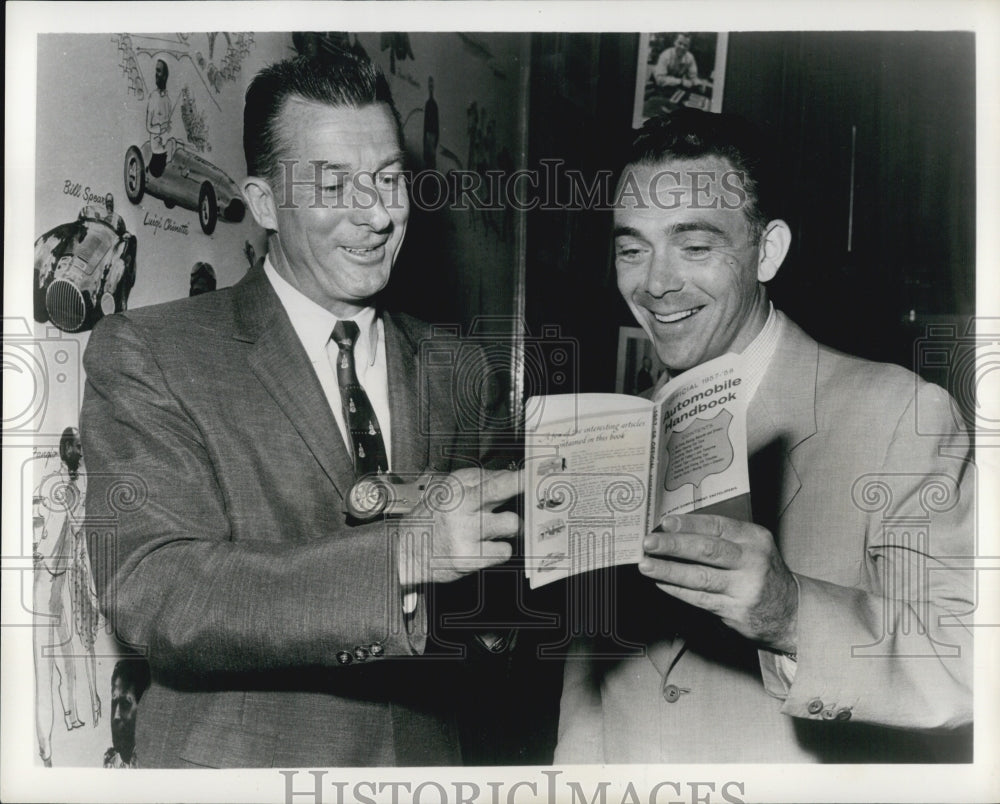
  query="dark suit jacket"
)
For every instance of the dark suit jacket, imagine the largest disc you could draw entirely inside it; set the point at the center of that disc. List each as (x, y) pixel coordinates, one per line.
(273, 626)
(863, 474)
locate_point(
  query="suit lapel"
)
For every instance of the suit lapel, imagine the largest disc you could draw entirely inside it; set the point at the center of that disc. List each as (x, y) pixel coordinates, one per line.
(409, 445)
(781, 416)
(280, 362)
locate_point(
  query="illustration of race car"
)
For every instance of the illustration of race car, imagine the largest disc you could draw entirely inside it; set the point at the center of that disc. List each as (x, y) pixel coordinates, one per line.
(552, 528)
(84, 270)
(188, 181)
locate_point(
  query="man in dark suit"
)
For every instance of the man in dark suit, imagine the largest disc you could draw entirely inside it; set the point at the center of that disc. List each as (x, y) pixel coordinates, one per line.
(279, 630)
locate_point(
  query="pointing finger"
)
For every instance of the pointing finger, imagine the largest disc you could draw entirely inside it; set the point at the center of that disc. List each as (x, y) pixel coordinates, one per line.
(505, 525)
(497, 552)
(500, 485)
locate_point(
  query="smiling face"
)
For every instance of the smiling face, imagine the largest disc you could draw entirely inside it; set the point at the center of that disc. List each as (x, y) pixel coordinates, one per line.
(335, 239)
(686, 265)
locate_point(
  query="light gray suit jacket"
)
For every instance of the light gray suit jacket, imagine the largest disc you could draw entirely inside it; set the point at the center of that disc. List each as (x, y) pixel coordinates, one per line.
(864, 477)
(273, 625)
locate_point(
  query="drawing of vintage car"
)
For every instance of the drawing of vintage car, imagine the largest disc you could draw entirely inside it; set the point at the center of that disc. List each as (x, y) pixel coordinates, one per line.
(551, 528)
(188, 181)
(551, 465)
(84, 270)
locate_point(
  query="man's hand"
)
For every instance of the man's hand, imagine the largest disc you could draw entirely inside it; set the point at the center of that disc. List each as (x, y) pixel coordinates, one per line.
(464, 535)
(729, 568)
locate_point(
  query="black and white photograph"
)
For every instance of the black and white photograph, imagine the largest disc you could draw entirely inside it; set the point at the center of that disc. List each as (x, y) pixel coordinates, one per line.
(299, 324)
(639, 367)
(679, 69)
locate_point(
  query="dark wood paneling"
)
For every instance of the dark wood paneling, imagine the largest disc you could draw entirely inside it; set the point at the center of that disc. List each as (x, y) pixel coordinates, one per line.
(900, 104)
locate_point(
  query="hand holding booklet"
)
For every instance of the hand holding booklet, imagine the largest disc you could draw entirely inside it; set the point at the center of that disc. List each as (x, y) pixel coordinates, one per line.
(604, 469)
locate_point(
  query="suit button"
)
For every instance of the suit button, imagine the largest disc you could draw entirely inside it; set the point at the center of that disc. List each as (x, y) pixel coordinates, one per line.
(671, 693)
(844, 714)
(815, 706)
(828, 714)
(360, 653)
(376, 649)
(343, 657)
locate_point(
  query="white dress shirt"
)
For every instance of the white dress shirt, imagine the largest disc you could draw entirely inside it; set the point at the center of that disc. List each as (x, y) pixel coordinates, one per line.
(759, 352)
(314, 326)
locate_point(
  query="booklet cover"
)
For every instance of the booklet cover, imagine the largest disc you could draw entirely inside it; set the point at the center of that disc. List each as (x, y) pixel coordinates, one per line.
(603, 469)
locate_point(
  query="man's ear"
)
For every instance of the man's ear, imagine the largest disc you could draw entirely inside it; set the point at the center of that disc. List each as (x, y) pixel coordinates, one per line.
(260, 199)
(774, 245)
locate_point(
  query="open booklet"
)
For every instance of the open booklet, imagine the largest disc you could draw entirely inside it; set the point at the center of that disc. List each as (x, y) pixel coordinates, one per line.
(603, 469)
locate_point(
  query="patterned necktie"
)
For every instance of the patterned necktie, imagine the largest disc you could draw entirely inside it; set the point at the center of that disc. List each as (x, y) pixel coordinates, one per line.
(366, 435)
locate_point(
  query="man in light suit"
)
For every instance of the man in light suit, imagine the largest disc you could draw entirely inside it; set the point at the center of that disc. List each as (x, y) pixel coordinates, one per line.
(832, 627)
(279, 630)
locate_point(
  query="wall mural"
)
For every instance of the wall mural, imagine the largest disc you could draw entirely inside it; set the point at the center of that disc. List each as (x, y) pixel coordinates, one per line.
(143, 175)
(166, 166)
(214, 71)
(64, 602)
(84, 269)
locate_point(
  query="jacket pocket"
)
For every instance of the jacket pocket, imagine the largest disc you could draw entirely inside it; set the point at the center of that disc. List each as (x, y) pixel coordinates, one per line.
(223, 745)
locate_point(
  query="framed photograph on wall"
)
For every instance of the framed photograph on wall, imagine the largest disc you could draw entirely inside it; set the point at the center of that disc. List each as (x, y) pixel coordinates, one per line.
(639, 368)
(678, 69)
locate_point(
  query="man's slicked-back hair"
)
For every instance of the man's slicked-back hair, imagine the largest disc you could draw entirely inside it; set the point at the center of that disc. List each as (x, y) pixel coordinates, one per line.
(338, 79)
(689, 134)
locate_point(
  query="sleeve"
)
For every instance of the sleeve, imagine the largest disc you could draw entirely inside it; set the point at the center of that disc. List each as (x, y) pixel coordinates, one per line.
(170, 576)
(692, 67)
(895, 649)
(660, 70)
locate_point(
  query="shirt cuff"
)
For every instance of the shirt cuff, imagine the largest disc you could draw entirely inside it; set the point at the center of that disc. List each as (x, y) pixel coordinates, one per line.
(777, 672)
(785, 666)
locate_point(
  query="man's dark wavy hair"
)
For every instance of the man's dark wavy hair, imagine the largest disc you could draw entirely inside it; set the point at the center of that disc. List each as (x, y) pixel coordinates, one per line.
(134, 672)
(338, 79)
(693, 134)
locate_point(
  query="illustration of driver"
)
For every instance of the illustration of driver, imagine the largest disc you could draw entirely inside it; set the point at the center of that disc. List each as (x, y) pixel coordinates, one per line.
(159, 111)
